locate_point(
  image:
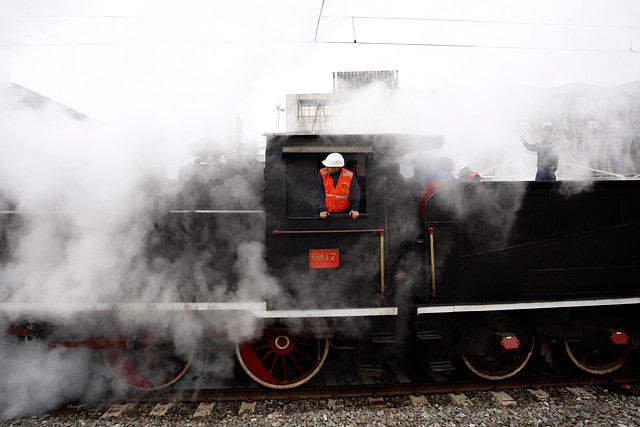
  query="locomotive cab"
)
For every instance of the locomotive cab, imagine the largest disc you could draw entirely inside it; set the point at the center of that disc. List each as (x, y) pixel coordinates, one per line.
(335, 270)
(337, 262)
(323, 263)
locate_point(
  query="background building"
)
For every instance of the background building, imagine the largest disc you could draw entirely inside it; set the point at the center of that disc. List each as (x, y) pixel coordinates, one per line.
(311, 113)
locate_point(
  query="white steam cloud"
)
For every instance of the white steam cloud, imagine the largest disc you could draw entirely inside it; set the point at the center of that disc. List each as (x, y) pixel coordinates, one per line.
(594, 127)
(81, 205)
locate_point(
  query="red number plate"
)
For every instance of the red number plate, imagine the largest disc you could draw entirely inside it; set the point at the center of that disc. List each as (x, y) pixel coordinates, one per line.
(324, 258)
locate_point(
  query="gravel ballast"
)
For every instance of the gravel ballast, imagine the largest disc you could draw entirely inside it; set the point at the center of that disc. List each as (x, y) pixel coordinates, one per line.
(560, 407)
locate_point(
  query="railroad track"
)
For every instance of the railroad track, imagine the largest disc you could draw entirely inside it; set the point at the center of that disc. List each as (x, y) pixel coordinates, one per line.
(193, 405)
(410, 385)
(399, 379)
(368, 388)
(201, 403)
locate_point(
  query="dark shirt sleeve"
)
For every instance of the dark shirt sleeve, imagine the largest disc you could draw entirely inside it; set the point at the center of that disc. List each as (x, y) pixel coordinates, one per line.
(354, 195)
(322, 207)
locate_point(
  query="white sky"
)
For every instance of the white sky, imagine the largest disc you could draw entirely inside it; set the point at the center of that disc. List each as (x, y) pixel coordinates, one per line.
(198, 61)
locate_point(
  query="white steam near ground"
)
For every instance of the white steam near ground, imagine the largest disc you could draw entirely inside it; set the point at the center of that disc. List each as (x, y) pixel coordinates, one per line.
(81, 204)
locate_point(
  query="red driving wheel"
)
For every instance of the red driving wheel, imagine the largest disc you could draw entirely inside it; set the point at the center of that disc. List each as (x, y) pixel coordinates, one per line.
(280, 359)
(149, 367)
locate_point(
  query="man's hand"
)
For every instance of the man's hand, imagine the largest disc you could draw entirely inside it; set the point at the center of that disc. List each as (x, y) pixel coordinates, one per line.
(324, 215)
(354, 214)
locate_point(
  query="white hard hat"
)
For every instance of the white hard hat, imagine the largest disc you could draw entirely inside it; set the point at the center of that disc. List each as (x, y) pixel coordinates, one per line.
(334, 160)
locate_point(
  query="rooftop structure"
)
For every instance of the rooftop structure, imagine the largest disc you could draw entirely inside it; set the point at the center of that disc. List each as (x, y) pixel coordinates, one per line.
(310, 113)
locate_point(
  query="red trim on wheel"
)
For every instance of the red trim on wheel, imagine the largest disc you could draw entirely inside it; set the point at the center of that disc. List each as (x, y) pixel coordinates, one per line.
(254, 364)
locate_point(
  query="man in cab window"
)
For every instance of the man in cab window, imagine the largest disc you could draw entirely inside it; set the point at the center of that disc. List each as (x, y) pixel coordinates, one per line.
(338, 191)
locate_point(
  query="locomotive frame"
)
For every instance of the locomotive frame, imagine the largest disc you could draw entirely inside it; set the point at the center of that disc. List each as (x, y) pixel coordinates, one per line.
(494, 271)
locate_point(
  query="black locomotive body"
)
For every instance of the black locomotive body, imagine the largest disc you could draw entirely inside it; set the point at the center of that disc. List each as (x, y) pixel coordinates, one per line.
(545, 241)
(511, 261)
(491, 272)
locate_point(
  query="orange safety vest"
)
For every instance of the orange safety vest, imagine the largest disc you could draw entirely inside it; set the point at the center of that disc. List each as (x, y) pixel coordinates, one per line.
(428, 191)
(473, 176)
(336, 199)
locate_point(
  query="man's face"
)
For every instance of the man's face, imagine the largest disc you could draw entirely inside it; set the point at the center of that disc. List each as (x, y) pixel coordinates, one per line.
(332, 170)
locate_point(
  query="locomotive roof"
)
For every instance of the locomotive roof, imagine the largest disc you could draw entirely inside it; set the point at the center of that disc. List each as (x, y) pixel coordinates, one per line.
(366, 142)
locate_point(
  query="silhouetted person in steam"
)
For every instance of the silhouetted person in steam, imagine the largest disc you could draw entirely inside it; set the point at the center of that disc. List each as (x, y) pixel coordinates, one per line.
(548, 156)
(466, 174)
(431, 174)
(354, 166)
(338, 191)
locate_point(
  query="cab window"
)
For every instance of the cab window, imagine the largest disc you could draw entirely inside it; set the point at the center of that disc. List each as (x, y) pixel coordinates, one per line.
(301, 170)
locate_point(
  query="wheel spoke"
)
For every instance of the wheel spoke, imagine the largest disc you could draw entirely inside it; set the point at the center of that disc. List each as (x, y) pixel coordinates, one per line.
(273, 365)
(304, 355)
(284, 369)
(266, 355)
(295, 362)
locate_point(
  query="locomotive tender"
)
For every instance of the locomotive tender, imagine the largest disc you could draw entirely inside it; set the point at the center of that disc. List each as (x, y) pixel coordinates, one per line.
(493, 272)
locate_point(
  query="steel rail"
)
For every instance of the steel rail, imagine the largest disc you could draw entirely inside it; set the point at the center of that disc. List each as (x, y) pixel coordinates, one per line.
(377, 390)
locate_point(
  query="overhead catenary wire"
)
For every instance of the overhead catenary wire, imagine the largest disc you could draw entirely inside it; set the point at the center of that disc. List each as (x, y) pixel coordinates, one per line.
(408, 44)
(350, 17)
(482, 21)
(315, 37)
(353, 19)
(629, 28)
(481, 46)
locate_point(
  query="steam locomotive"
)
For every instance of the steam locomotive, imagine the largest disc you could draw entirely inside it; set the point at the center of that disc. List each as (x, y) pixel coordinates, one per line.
(492, 273)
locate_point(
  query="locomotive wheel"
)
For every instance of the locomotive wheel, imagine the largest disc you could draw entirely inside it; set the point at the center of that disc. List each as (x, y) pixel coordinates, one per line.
(150, 367)
(282, 360)
(500, 366)
(597, 360)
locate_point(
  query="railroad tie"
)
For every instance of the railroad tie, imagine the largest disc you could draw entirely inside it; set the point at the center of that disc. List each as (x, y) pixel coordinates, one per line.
(503, 398)
(203, 410)
(247, 408)
(161, 409)
(459, 399)
(580, 393)
(419, 400)
(539, 394)
(117, 410)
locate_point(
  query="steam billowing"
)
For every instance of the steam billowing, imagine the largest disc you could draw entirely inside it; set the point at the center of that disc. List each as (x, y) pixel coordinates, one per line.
(92, 201)
(85, 220)
(595, 127)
